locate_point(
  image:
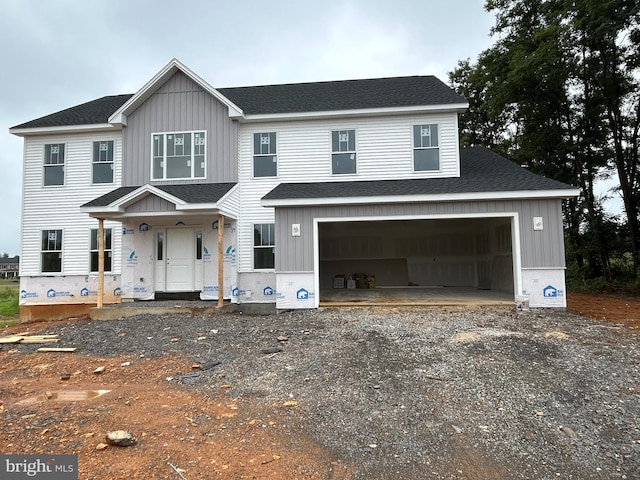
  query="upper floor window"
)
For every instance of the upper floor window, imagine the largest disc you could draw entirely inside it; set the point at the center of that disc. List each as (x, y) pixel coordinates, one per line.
(265, 161)
(53, 164)
(178, 155)
(263, 246)
(94, 252)
(426, 150)
(103, 162)
(51, 251)
(343, 151)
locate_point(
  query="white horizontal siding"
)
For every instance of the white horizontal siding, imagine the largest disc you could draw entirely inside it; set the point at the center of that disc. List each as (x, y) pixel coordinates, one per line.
(384, 150)
(57, 207)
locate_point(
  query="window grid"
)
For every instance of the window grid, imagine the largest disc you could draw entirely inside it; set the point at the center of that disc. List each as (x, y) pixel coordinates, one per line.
(265, 159)
(343, 152)
(51, 251)
(103, 162)
(53, 164)
(178, 155)
(426, 148)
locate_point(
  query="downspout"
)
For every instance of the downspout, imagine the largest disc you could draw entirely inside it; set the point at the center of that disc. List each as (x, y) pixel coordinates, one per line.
(220, 260)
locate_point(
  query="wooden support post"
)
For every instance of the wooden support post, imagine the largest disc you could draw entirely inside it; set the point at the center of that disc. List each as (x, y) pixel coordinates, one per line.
(100, 262)
(220, 260)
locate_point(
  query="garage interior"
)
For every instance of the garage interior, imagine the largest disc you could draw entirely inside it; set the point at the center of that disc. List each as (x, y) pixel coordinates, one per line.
(416, 261)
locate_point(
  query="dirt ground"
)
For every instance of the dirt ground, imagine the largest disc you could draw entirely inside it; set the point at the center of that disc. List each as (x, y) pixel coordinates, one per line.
(180, 432)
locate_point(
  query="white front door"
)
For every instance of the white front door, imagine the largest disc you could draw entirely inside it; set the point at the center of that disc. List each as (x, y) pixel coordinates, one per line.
(180, 260)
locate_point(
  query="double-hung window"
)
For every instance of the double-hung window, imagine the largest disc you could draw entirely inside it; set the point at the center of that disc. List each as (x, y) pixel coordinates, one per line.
(51, 251)
(263, 246)
(53, 164)
(94, 252)
(426, 150)
(265, 160)
(343, 152)
(178, 155)
(103, 162)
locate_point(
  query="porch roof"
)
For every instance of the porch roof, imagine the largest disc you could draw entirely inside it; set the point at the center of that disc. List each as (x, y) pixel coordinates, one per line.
(192, 198)
(483, 175)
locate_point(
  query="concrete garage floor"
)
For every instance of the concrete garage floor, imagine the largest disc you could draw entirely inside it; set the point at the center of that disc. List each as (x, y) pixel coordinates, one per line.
(414, 296)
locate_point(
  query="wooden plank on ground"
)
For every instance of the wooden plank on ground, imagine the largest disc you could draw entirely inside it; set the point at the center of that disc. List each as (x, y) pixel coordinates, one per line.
(11, 339)
(39, 340)
(57, 349)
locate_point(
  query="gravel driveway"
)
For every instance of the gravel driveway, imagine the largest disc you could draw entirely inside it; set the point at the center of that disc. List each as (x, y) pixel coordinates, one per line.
(401, 393)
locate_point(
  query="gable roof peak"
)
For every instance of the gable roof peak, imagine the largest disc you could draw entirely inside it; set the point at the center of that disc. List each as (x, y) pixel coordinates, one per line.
(169, 70)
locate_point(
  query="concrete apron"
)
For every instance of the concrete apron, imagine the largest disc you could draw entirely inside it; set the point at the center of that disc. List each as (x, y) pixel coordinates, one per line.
(385, 297)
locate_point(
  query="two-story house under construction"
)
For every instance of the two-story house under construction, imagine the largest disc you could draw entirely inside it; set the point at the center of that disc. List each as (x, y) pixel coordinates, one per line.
(269, 196)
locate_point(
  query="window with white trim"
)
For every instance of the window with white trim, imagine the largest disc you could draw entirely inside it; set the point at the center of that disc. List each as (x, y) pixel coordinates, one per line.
(263, 246)
(53, 164)
(343, 152)
(51, 251)
(265, 159)
(178, 155)
(94, 252)
(426, 150)
(102, 162)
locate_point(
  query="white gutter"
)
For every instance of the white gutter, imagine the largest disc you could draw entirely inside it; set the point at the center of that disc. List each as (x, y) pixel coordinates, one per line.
(444, 197)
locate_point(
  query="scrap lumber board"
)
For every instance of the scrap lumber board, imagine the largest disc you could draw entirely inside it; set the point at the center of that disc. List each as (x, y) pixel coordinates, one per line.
(57, 349)
(39, 340)
(11, 339)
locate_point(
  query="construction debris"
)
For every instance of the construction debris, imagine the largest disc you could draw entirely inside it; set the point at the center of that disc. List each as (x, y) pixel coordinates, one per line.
(57, 349)
(30, 339)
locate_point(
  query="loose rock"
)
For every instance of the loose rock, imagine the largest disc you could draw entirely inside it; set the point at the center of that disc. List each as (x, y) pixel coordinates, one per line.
(120, 438)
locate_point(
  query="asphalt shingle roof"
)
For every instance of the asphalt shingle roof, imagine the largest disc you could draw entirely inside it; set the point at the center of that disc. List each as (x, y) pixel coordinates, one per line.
(286, 98)
(89, 113)
(343, 95)
(481, 170)
(190, 193)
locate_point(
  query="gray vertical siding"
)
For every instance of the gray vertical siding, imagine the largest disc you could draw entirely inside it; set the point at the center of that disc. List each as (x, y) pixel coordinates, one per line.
(151, 203)
(180, 105)
(539, 249)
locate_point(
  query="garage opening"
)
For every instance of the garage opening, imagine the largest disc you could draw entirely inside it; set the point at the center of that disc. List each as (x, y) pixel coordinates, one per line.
(424, 259)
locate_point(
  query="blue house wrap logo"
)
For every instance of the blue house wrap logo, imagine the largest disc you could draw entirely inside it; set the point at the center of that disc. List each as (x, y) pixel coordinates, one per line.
(117, 291)
(235, 292)
(51, 293)
(549, 292)
(84, 292)
(267, 291)
(302, 294)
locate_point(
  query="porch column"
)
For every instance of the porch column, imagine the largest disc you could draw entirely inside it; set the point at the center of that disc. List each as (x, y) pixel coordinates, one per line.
(220, 260)
(100, 261)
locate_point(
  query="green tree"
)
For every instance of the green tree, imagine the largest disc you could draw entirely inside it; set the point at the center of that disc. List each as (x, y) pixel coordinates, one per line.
(538, 96)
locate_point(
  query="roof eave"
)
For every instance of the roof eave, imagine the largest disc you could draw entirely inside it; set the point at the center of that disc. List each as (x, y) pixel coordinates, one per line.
(444, 197)
(96, 127)
(361, 112)
(101, 211)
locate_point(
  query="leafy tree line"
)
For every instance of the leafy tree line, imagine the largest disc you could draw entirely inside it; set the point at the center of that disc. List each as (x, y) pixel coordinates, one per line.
(559, 93)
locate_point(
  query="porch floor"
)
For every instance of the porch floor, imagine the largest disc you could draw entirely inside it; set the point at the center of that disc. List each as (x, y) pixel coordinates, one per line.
(428, 296)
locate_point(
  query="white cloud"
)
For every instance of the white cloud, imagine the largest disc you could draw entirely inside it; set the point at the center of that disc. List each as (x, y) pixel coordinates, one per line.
(63, 53)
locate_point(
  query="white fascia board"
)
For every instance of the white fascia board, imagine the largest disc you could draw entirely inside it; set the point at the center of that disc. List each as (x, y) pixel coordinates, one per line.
(197, 206)
(445, 197)
(119, 116)
(362, 112)
(97, 212)
(96, 127)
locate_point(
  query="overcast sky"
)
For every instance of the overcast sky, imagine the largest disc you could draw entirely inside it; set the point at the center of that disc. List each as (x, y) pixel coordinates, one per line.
(60, 53)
